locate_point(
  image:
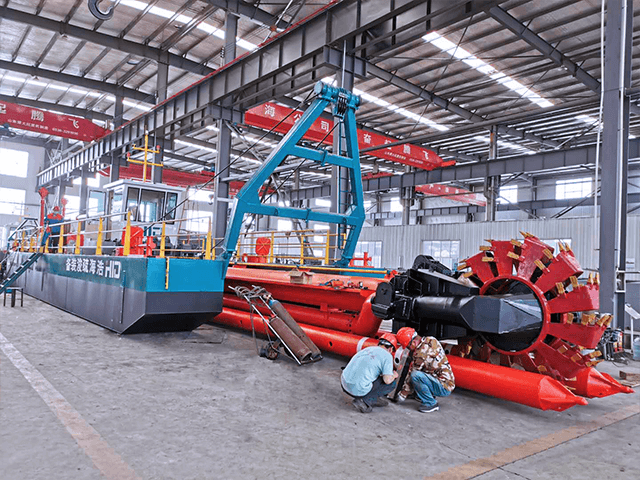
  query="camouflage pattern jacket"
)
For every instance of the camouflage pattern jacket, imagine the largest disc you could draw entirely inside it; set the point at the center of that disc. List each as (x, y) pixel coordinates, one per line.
(429, 357)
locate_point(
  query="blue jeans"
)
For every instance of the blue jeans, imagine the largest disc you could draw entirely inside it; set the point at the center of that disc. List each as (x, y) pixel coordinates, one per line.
(428, 387)
(378, 389)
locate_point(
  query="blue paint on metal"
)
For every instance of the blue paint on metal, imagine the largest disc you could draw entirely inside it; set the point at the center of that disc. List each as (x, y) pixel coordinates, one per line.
(248, 201)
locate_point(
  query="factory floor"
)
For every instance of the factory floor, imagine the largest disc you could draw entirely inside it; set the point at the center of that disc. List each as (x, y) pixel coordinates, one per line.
(79, 402)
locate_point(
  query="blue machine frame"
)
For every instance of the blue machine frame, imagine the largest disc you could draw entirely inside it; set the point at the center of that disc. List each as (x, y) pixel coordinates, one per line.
(248, 201)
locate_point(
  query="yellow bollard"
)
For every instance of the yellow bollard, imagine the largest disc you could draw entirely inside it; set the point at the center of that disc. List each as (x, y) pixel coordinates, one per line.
(302, 248)
(207, 253)
(163, 240)
(61, 239)
(24, 241)
(77, 249)
(99, 239)
(127, 236)
(327, 248)
(32, 244)
(46, 245)
(273, 239)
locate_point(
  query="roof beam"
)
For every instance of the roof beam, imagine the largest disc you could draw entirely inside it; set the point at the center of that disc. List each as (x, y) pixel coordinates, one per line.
(108, 41)
(531, 205)
(78, 112)
(111, 88)
(556, 159)
(548, 50)
(450, 106)
(250, 12)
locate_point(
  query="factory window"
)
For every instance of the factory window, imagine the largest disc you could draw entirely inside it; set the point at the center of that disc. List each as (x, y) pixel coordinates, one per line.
(396, 204)
(373, 250)
(73, 207)
(198, 221)
(14, 162)
(12, 201)
(91, 181)
(508, 194)
(446, 252)
(575, 188)
(285, 225)
(195, 195)
(323, 203)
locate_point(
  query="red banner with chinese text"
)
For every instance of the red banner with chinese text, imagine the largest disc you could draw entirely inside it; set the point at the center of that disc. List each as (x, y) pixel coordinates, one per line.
(42, 121)
(452, 193)
(268, 115)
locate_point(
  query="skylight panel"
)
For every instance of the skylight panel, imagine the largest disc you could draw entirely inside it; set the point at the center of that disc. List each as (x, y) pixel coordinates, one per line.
(394, 108)
(502, 143)
(474, 62)
(205, 27)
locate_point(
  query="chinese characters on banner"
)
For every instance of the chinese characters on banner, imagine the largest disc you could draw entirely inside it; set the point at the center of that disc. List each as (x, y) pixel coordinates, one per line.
(268, 115)
(41, 121)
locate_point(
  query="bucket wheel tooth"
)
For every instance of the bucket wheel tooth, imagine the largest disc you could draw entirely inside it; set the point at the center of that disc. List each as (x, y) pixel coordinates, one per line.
(480, 268)
(563, 268)
(534, 253)
(506, 254)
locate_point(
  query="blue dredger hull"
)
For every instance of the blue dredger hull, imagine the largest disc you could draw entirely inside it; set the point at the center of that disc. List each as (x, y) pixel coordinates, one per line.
(127, 294)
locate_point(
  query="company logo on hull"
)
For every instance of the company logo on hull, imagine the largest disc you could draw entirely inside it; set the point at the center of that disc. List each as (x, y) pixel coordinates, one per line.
(99, 268)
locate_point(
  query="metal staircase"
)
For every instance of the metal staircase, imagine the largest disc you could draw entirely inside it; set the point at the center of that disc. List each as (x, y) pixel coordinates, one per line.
(31, 259)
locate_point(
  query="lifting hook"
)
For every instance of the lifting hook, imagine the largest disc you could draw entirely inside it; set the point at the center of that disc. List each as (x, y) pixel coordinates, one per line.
(99, 14)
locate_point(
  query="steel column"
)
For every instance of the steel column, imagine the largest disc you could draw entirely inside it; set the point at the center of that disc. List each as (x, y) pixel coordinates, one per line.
(223, 159)
(613, 207)
(162, 81)
(491, 182)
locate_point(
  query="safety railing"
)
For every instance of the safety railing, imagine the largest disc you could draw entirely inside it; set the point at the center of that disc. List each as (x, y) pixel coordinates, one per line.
(313, 247)
(116, 234)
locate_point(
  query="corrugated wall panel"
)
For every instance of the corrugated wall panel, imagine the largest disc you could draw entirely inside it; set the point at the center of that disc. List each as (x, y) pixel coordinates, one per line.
(401, 244)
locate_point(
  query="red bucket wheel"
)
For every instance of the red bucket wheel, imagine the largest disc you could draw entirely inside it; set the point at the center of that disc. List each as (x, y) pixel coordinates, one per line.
(569, 322)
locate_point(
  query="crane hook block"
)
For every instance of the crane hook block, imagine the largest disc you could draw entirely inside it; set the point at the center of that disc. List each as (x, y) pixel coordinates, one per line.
(99, 14)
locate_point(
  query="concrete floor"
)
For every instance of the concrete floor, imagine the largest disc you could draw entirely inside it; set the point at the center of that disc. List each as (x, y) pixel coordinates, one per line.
(205, 406)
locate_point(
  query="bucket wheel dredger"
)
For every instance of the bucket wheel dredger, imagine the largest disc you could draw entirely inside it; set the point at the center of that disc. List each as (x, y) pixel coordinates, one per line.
(522, 307)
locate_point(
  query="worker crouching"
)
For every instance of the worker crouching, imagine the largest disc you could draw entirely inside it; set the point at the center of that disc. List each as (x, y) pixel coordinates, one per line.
(369, 376)
(430, 374)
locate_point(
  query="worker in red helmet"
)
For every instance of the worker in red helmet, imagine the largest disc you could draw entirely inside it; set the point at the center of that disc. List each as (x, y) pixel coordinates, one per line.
(52, 226)
(369, 375)
(430, 374)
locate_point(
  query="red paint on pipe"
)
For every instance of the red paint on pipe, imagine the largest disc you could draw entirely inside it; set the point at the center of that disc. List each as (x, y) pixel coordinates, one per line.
(532, 389)
(365, 323)
(526, 388)
(592, 383)
(342, 343)
(341, 292)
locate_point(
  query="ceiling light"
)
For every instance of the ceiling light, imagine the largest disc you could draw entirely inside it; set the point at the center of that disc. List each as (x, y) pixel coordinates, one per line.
(474, 62)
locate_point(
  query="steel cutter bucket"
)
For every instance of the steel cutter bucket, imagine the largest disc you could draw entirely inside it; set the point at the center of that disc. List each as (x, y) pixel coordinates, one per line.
(568, 307)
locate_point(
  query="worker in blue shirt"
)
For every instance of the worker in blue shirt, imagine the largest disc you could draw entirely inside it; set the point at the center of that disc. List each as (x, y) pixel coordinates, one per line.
(369, 375)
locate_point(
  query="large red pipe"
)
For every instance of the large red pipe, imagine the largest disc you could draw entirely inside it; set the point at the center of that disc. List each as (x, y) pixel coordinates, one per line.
(341, 292)
(532, 389)
(364, 323)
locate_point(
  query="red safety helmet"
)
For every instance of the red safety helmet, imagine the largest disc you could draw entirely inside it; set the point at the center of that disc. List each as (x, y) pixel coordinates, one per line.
(388, 340)
(405, 335)
(56, 208)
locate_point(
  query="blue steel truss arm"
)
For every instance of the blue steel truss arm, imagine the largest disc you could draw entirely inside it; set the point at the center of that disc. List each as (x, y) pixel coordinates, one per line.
(248, 201)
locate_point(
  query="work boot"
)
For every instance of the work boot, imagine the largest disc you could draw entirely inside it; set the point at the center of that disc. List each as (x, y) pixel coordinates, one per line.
(361, 405)
(428, 408)
(380, 402)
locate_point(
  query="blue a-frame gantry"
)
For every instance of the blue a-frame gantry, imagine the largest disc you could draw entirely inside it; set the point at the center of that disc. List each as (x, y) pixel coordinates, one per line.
(248, 201)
